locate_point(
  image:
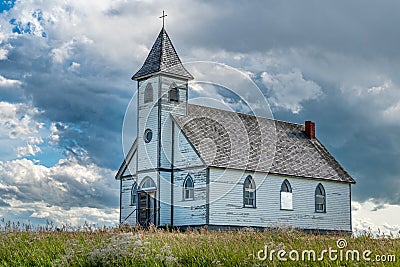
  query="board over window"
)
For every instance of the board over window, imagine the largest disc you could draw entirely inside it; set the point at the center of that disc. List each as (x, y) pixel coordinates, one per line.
(148, 93)
(286, 196)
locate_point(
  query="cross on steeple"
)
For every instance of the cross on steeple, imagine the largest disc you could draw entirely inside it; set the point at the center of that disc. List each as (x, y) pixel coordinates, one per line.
(163, 16)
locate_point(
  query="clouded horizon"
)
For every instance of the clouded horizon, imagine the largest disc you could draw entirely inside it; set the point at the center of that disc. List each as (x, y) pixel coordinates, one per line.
(65, 69)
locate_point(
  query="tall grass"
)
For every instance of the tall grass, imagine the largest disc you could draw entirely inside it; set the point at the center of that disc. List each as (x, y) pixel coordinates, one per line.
(159, 247)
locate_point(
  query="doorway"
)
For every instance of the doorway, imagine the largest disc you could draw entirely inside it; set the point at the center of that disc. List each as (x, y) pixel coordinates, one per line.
(147, 208)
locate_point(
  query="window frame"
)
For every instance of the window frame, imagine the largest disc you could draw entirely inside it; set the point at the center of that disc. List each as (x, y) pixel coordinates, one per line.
(145, 137)
(134, 194)
(148, 184)
(320, 192)
(148, 94)
(188, 190)
(173, 93)
(249, 193)
(286, 188)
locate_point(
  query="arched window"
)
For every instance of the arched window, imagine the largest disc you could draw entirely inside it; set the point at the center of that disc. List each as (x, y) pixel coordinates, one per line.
(320, 199)
(148, 93)
(173, 93)
(286, 196)
(249, 193)
(134, 194)
(148, 184)
(188, 188)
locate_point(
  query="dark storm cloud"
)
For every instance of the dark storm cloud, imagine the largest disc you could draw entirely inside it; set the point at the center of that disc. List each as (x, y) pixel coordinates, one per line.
(364, 28)
(353, 131)
(93, 100)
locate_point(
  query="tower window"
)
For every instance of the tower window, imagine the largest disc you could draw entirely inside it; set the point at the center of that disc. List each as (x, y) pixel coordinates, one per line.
(148, 135)
(174, 93)
(249, 193)
(188, 188)
(148, 93)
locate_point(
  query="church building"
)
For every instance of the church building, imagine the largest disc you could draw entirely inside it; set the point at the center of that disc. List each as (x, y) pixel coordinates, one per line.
(195, 166)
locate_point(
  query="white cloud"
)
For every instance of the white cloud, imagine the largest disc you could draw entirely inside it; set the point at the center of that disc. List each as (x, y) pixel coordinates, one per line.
(74, 67)
(18, 120)
(63, 52)
(72, 191)
(3, 54)
(4, 82)
(379, 219)
(380, 88)
(28, 150)
(392, 113)
(289, 90)
(41, 211)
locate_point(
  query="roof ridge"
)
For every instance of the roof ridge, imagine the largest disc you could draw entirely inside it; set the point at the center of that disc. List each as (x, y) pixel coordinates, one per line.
(272, 119)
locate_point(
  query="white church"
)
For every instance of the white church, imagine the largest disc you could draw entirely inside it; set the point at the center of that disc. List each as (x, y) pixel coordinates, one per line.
(194, 166)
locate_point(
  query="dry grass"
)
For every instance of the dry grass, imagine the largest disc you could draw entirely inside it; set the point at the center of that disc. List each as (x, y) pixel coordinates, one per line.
(157, 247)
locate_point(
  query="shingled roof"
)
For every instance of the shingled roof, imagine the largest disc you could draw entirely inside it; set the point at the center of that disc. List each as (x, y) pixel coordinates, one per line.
(240, 141)
(162, 58)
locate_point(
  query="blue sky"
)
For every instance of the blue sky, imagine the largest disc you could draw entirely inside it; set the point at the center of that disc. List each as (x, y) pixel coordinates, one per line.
(65, 71)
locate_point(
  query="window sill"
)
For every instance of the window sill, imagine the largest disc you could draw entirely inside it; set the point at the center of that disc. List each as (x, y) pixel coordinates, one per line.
(249, 207)
(287, 209)
(317, 211)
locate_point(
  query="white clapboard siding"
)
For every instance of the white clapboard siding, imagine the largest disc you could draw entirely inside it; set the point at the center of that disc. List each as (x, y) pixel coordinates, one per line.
(226, 202)
(168, 108)
(190, 212)
(126, 207)
(166, 142)
(165, 198)
(131, 169)
(147, 119)
(184, 154)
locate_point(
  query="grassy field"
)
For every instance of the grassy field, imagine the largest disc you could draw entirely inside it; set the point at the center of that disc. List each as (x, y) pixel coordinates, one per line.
(157, 247)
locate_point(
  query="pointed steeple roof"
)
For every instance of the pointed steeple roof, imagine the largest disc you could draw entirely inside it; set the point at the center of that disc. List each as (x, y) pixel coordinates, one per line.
(162, 59)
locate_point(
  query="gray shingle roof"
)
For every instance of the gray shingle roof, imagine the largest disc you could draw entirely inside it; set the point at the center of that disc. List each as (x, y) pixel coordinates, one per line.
(162, 58)
(234, 140)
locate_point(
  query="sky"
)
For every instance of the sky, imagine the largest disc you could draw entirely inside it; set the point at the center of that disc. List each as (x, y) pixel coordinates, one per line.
(65, 69)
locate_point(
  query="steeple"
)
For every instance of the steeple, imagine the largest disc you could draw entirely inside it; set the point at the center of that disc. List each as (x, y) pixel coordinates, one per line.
(162, 59)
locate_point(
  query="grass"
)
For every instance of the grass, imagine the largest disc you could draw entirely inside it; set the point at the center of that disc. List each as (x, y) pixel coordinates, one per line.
(158, 247)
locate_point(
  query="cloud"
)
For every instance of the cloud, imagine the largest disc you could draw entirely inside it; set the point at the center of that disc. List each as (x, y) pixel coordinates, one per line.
(392, 114)
(20, 129)
(40, 211)
(29, 149)
(379, 218)
(71, 183)
(288, 90)
(3, 54)
(4, 82)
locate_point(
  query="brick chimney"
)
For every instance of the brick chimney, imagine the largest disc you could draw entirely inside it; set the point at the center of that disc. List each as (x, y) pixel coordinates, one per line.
(310, 129)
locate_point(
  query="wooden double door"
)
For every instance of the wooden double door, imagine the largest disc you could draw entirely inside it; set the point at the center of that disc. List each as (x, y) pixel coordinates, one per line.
(147, 207)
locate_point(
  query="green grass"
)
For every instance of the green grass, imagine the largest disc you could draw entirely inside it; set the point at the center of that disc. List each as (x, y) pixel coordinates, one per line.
(157, 247)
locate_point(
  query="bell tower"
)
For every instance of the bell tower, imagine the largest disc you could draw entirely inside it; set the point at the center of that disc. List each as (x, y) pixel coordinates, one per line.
(162, 90)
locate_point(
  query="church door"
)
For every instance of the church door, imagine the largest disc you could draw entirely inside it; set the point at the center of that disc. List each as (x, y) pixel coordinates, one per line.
(146, 208)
